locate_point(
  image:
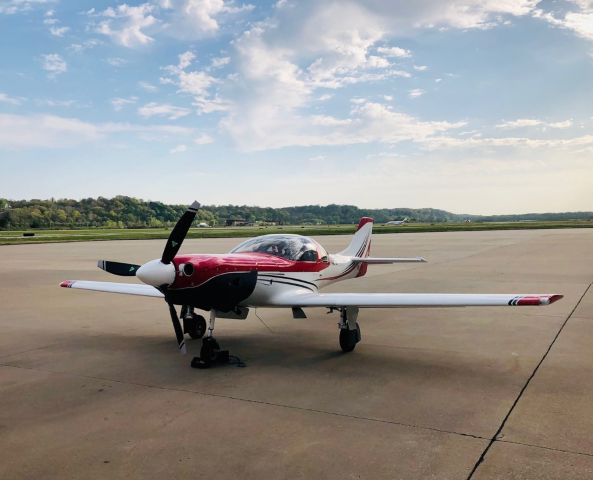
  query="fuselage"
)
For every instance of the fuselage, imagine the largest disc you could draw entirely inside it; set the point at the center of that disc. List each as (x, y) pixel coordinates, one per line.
(268, 268)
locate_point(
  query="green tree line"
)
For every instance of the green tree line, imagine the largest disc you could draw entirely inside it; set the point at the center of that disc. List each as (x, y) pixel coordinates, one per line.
(128, 212)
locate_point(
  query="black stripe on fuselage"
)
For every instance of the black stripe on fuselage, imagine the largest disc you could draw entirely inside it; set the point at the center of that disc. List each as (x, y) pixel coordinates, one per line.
(287, 278)
(270, 282)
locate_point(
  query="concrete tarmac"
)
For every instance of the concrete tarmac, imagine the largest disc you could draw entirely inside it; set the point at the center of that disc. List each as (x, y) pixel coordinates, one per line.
(92, 386)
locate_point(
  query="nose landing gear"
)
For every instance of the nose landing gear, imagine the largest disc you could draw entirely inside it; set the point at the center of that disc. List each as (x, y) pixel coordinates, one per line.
(210, 353)
(193, 324)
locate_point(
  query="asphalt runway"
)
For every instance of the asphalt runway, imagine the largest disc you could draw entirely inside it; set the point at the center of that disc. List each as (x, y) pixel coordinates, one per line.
(92, 386)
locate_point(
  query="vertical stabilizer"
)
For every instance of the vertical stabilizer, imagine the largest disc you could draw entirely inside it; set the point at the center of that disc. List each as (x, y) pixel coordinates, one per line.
(360, 246)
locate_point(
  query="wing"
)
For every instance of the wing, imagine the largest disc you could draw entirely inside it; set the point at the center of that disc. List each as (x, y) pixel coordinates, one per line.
(394, 300)
(386, 261)
(111, 287)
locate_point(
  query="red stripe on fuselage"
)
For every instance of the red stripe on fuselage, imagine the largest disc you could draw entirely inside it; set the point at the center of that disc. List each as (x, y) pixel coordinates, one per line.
(209, 266)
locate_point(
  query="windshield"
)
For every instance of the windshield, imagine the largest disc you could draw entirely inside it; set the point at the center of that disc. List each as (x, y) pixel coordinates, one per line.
(291, 247)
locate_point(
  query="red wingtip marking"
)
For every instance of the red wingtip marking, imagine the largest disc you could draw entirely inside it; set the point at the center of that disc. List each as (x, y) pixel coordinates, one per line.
(555, 298)
(530, 301)
(66, 283)
(541, 300)
(364, 221)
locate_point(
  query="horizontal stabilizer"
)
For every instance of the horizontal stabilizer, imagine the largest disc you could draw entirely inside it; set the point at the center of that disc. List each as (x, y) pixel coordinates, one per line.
(386, 261)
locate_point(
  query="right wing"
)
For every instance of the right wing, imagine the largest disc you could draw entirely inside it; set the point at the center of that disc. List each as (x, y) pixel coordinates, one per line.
(111, 287)
(401, 300)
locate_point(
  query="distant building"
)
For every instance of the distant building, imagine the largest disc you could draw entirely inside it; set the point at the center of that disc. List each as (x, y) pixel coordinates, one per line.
(236, 222)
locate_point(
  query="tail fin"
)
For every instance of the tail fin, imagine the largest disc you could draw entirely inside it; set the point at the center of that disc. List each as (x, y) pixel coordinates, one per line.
(360, 246)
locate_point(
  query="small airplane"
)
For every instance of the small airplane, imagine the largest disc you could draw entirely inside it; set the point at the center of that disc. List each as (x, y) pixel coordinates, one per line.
(276, 270)
(397, 222)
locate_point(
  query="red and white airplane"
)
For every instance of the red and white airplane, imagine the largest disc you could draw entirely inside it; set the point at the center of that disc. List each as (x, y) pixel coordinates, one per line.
(277, 270)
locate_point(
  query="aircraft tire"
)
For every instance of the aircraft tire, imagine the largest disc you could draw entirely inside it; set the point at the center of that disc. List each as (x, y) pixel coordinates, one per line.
(349, 338)
(196, 326)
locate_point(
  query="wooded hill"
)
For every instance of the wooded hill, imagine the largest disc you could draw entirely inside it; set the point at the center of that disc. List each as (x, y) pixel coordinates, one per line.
(127, 212)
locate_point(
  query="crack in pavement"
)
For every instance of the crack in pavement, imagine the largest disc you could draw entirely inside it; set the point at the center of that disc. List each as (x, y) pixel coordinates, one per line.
(304, 409)
(528, 381)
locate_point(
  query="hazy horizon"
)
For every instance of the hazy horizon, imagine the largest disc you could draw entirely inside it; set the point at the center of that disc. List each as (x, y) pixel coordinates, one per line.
(304, 205)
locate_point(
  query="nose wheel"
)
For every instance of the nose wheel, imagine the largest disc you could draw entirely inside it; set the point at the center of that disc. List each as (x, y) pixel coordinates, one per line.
(210, 353)
(193, 324)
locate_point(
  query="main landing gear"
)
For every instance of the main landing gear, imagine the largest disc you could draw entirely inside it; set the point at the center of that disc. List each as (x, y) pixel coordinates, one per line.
(349, 328)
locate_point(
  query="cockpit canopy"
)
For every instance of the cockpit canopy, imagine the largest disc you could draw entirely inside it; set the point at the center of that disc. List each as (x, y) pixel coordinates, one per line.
(291, 247)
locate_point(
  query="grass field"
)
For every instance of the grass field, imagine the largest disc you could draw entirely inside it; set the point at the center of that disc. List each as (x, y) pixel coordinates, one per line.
(49, 236)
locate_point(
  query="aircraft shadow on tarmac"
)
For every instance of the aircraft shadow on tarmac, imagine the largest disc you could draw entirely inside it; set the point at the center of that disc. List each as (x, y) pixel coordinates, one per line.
(114, 355)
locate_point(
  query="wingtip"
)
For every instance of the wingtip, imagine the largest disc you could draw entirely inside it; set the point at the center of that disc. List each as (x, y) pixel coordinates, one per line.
(554, 298)
(195, 205)
(66, 283)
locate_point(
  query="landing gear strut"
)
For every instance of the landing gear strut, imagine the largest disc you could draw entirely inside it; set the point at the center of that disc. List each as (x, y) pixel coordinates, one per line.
(349, 328)
(210, 353)
(193, 324)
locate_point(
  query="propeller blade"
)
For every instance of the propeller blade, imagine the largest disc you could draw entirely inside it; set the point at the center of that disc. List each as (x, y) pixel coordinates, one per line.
(117, 268)
(178, 233)
(178, 330)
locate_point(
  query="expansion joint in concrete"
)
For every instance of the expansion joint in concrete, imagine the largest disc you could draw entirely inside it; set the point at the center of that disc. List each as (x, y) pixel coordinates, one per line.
(495, 437)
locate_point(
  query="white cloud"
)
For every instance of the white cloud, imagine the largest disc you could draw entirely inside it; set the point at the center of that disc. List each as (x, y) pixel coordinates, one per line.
(19, 132)
(116, 61)
(368, 122)
(126, 24)
(219, 62)
(532, 122)
(196, 83)
(178, 149)
(149, 87)
(563, 124)
(4, 98)
(119, 103)
(58, 31)
(416, 92)
(420, 68)
(22, 131)
(55, 103)
(171, 112)
(53, 22)
(11, 7)
(81, 47)
(285, 61)
(195, 18)
(579, 21)
(576, 144)
(394, 52)
(203, 139)
(54, 64)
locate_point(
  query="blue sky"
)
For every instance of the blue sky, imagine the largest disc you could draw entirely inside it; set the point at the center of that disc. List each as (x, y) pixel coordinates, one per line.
(466, 105)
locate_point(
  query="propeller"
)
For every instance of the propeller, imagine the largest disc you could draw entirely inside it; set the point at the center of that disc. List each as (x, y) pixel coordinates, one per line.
(160, 273)
(178, 330)
(117, 268)
(178, 233)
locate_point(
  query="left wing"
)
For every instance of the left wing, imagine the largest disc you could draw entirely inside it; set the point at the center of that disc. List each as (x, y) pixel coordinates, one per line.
(111, 287)
(394, 300)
